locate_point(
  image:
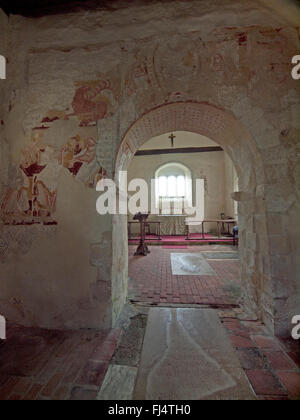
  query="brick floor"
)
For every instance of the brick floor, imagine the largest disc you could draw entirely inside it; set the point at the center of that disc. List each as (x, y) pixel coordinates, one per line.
(278, 360)
(242, 342)
(291, 380)
(265, 383)
(251, 359)
(151, 279)
(38, 364)
(265, 342)
(57, 365)
(266, 360)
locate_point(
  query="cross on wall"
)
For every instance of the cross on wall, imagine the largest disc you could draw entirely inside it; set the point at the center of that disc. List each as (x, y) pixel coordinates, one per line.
(172, 137)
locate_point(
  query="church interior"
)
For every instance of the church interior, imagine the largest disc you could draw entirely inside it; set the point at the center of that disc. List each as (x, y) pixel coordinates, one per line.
(191, 289)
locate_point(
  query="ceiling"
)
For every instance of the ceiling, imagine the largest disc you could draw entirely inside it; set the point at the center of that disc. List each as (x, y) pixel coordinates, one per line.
(35, 8)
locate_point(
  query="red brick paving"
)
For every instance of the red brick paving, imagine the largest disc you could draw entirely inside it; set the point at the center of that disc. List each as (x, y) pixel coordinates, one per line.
(79, 393)
(241, 342)
(152, 282)
(270, 365)
(291, 380)
(279, 361)
(295, 357)
(93, 373)
(232, 324)
(73, 373)
(266, 360)
(58, 365)
(265, 342)
(251, 359)
(265, 383)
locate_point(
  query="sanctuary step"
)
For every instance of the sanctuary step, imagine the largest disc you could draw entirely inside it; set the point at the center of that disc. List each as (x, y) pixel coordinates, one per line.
(194, 239)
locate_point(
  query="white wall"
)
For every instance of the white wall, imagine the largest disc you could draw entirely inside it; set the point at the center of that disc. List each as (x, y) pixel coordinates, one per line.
(214, 167)
(231, 185)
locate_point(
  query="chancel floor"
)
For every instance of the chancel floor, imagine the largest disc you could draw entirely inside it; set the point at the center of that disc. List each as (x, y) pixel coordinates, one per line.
(45, 364)
(39, 364)
(245, 360)
(152, 279)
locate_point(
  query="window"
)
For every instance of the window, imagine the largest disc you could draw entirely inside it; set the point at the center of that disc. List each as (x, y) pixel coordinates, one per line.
(173, 188)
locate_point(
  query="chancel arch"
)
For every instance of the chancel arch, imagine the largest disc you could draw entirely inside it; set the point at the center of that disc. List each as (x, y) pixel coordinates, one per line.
(234, 138)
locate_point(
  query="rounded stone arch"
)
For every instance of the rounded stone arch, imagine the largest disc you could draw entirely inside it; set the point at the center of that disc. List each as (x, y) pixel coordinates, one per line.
(223, 128)
(202, 118)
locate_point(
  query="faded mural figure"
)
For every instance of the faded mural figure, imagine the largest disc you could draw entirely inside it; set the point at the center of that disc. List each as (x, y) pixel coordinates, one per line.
(93, 100)
(218, 65)
(79, 157)
(32, 198)
(34, 201)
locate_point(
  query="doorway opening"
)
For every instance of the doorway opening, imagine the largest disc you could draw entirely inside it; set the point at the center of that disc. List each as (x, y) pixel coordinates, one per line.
(190, 262)
(233, 137)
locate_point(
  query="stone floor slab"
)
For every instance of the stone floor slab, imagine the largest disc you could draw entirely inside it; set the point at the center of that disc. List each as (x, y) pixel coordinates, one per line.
(118, 383)
(187, 354)
(190, 264)
(221, 255)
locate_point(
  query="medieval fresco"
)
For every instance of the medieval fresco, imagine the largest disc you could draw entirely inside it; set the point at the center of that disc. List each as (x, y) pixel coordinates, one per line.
(223, 58)
(94, 100)
(79, 157)
(34, 199)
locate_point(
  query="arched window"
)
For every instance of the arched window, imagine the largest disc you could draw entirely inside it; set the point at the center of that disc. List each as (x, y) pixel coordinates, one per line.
(173, 188)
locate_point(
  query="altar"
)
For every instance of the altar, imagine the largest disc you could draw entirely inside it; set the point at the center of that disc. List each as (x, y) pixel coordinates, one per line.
(160, 225)
(170, 224)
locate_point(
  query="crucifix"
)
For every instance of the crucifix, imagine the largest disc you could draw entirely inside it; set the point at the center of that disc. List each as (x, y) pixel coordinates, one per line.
(172, 137)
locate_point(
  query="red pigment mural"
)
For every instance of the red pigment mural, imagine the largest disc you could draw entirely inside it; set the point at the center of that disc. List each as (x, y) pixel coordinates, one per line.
(34, 200)
(79, 157)
(94, 100)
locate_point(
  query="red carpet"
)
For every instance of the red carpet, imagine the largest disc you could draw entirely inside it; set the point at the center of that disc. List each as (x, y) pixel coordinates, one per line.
(193, 236)
(174, 246)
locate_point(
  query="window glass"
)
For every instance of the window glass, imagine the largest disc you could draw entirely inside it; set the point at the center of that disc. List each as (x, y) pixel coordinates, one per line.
(162, 186)
(172, 186)
(181, 186)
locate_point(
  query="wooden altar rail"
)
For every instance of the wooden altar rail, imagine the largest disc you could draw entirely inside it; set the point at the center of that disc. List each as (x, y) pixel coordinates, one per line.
(218, 221)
